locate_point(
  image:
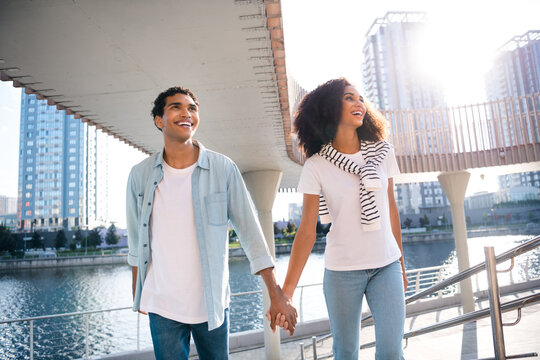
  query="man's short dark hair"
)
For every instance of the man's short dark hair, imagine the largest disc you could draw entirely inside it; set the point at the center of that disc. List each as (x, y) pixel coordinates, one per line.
(159, 103)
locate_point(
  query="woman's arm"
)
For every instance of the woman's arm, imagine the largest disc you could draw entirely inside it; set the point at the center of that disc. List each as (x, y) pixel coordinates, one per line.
(395, 222)
(303, 243)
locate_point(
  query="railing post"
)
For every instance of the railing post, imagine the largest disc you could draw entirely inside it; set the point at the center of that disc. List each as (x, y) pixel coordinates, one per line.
(314, 340)
(302, 351)
(31, 339)
(301, 303)
(86, 335)
(494, 304)
(417, 282)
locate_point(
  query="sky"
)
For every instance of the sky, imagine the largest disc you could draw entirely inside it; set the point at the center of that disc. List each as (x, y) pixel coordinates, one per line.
(324, 40)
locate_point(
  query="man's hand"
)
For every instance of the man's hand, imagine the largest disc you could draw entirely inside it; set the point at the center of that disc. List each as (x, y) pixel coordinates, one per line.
(282, 313)
(279, 304)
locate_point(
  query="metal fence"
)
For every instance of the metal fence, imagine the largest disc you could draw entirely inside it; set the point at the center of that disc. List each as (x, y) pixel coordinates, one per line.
(91, 333)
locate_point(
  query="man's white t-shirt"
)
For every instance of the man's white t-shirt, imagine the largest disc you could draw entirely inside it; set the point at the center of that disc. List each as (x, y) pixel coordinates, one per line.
(174, 287)
(348, 246)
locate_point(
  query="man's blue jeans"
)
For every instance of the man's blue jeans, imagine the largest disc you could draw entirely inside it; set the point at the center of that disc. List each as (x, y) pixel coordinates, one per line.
(383, 288)
(171, 339)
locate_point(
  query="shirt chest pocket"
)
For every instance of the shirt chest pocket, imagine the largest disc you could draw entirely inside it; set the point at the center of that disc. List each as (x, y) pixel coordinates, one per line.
(216, 208)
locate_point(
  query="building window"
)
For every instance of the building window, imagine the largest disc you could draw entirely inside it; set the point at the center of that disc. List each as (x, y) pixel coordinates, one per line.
(29, 177)
(71, 210)
(28, 212)
(28, 186)
(71, 193)
(72, 150)
(72, 184)
(27, 203)
(28, 195)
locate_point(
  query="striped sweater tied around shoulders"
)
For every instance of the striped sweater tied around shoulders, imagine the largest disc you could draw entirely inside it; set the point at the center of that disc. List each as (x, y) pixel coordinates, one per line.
(373, 152)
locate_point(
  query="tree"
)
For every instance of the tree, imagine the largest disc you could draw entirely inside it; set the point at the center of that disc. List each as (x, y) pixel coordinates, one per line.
(424, 221)
(7, 242)
(36, 241)
(72, 245)
(444, 220)
(60, 241)
(290, 229)
(276, 229)
(78, 237)
(111, 238)
(407, 223)
(232, 235)
(94, 238)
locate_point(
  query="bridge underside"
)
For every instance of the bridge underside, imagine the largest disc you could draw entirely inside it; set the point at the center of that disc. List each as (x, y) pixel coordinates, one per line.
(105, 62)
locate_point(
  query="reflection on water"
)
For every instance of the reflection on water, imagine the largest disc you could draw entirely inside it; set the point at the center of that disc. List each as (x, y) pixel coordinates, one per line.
(28, 293)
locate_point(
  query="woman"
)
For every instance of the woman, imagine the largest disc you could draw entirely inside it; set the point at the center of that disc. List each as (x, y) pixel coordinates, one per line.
(351, 166)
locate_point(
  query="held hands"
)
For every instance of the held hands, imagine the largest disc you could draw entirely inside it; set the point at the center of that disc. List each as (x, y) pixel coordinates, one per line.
(282, 313)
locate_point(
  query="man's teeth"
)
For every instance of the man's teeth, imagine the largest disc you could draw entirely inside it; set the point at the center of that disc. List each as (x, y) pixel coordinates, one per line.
(184, 124)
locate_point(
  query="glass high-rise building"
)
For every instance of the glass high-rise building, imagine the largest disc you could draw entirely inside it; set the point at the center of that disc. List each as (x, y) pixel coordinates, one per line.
(516, 72)
(393, 80)
(61, 184)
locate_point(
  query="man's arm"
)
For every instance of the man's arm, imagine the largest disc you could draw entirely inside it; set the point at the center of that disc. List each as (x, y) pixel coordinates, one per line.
(243, 218)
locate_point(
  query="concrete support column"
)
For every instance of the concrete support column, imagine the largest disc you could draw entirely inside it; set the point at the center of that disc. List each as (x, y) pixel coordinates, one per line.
(263, 186)
(454, 185)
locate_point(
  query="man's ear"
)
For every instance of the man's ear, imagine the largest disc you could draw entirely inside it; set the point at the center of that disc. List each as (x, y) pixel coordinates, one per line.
(158, 121)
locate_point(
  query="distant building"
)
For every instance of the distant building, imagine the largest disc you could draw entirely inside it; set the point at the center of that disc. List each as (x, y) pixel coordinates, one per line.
(8, 205)
(9, 220)
(516, 72)
(393, 80)
(516, 68)
(62, 180)
(295, 212)
(521, 193)
(480, 200)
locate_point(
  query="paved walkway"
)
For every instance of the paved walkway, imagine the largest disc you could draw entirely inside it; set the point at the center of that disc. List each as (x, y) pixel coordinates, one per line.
(464, 342)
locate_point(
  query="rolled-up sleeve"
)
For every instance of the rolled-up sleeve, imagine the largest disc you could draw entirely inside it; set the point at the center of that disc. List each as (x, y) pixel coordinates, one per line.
(246, 224)
(132, 220)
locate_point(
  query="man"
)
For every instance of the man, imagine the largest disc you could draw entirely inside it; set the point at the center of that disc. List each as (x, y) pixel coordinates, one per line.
(179, 202)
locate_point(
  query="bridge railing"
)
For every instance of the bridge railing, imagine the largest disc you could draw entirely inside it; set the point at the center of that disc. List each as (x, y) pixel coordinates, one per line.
(493, 133)
(89, 333)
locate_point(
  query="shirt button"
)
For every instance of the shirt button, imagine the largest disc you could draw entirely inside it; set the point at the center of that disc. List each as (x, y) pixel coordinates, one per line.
(146, 262)
(149, 204)
(145, 245)
(144, 225)
(155, 182)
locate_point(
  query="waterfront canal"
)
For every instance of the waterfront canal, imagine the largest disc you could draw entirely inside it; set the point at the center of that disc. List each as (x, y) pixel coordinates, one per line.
(30, 293)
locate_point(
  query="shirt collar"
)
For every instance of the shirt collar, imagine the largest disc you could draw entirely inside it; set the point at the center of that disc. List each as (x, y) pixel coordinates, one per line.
(202, 161)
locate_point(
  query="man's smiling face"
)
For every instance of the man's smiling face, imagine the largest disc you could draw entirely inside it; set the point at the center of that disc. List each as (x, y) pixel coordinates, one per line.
(180, 118)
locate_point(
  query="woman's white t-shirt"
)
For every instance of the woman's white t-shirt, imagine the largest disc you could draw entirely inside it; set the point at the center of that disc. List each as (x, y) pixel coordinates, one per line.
(348, 246)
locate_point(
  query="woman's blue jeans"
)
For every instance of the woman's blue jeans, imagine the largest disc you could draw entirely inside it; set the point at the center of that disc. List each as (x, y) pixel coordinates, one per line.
(171, 339)
(383, 288)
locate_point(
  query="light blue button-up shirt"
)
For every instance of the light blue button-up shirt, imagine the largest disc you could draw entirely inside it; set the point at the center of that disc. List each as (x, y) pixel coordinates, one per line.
(219, 195)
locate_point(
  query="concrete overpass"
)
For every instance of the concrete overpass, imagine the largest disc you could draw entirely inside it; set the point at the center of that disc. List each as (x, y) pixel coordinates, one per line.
(105, 62)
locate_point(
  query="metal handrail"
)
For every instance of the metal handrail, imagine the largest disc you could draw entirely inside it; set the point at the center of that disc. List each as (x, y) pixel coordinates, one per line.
(518, 250)
(518, 303)
(465, 318)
